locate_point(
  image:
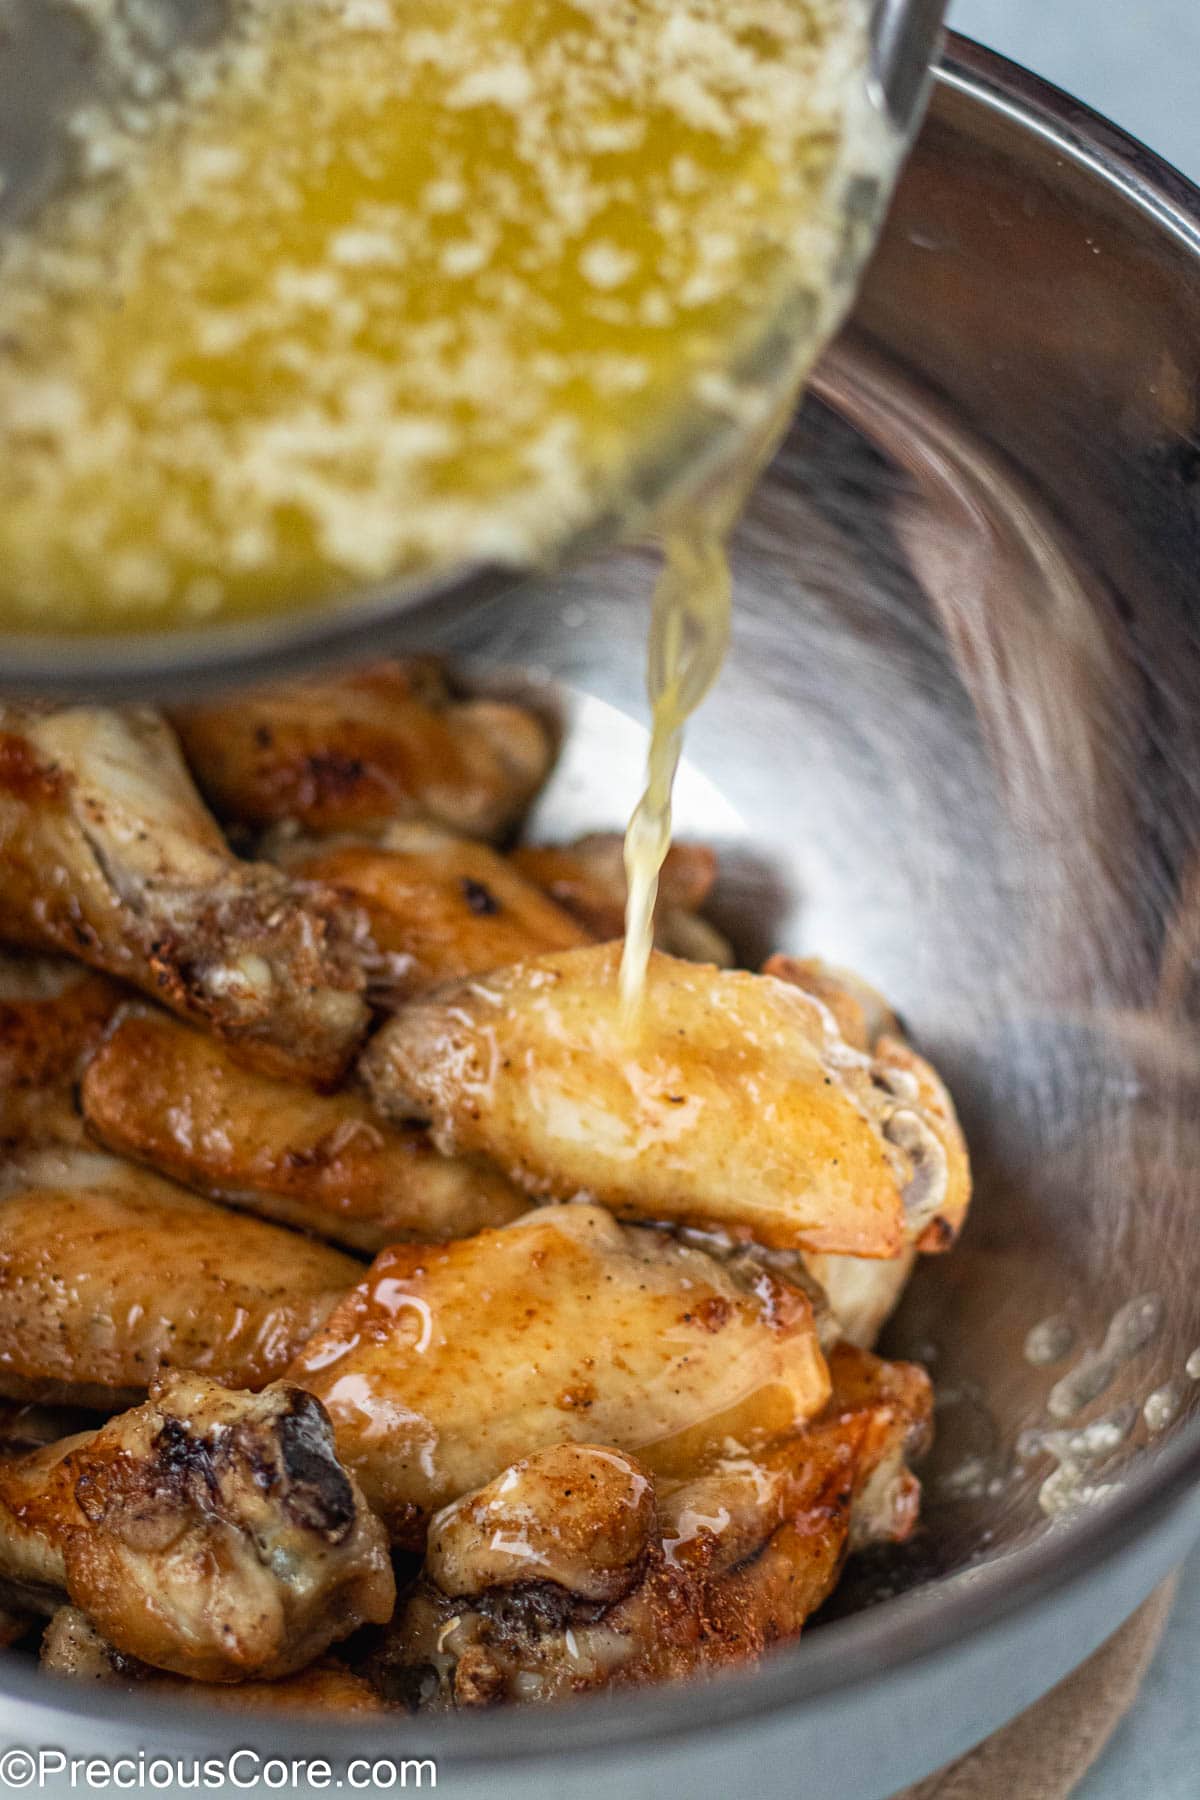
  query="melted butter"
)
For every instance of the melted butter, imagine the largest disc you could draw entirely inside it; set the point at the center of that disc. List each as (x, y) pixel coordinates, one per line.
(1163, 1407)
(386, 284)
(1049, 1341)
(1079, 1456)
(1132, 1329)
(689, 634)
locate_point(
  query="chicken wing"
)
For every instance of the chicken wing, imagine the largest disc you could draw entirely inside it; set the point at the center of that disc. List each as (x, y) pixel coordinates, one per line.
(350, 752)
(587, 878)
(72, 1647)
(106, 852)
(567, 1573)
(863, 1293)
(732, 1100)
(33, 1571)
(170, 1097)
(449, 1362)
(52, 1015)
(441, 909)
(109, 1274)
(208, 1533)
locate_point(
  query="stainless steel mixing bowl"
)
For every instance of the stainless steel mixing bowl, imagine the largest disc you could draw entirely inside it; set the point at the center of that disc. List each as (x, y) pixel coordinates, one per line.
(957, 746)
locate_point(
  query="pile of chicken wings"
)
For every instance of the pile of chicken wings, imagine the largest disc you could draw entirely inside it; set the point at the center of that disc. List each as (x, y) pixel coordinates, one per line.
(385, 1321)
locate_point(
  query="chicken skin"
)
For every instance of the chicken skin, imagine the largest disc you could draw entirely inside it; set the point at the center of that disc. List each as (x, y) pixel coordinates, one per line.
(449, 1362)
(107, 853)
(109, 1274)
(207, 1533)
(167, 1096)
(732, 1100)
(587, 878)
(607, 1375)
(684, 1578)
(72, 1647)
(356, 751)
(52, 1015)
(861, 1292)
(440, 909)
(33, 1570)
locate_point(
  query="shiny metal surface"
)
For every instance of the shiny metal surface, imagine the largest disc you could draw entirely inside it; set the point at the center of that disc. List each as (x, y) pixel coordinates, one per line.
(904, 37)
(956, 747)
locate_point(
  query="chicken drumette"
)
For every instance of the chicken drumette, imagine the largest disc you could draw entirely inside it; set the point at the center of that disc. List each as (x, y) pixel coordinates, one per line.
(576, 1569)
(356, 752)
(438, 908)
(209, 1533)
(732, 1100)
(107, 853)
(587, 878)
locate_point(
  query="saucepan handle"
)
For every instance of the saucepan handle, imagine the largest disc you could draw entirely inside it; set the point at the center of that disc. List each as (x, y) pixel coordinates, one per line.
(904, 40)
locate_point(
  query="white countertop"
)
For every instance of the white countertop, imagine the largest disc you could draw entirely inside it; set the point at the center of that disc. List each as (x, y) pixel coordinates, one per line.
(1137, 61)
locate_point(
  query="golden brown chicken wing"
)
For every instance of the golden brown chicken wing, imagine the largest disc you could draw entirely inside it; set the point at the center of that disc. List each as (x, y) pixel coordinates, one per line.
(515, 1604)
(209, 1533)
(52, 1016)
(587, 878)
(107, 853)
(33, 1571)
(109, 1274)
(167, 1096)
(863, 1015)
(351, 752)
(441, 908)
(733, 1100)
(449, 1362)
(862, 1292)
(72, 1647)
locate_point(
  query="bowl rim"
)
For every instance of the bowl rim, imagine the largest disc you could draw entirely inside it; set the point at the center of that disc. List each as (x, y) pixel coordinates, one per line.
(912, 1628)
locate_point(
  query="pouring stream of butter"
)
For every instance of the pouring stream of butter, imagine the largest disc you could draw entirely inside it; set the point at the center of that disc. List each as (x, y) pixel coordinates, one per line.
(377, 288)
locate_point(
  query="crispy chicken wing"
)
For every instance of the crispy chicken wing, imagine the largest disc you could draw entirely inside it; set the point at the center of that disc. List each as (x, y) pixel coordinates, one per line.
(924, 1124)
(52, 1015)
(440, 908)
(587, 878)
(209, 1533)
(167, 1096)
(449, 1362)
(107, 852)
(109, 1274)
(862, 1292)
(733, 1099)
(351, 752)
(568, 1573)
(33, 1571)
(72, 1647)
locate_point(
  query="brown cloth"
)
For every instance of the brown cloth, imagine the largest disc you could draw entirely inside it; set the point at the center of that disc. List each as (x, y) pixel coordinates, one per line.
(1046, 1752)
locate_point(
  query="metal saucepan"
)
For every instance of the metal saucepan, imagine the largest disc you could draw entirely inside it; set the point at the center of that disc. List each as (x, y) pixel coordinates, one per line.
(956, 748)
(51, 63)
